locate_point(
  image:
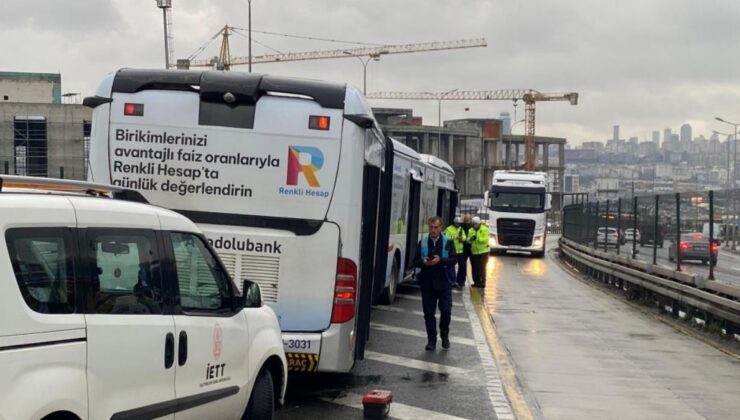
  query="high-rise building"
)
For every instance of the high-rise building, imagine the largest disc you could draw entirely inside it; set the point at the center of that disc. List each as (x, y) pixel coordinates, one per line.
(667, 133)
(686, 138)
(616, 133)
(656, 137)
(505, 118)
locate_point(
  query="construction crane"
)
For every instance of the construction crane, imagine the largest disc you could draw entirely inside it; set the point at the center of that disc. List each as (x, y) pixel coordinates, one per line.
(225, 60)
(529, 96)
(166, 6)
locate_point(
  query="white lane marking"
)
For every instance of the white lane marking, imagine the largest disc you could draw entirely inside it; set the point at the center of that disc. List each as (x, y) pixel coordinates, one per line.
(418, 333)
(412, 312)
(500, 403)
(410, 297)
(398, 410)
(415, 364)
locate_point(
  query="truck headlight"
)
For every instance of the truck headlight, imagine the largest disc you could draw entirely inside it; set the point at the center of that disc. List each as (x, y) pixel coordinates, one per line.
(493, 240)
(538, 241)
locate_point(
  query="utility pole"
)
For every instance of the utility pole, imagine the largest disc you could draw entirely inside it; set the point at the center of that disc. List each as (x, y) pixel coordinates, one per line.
(250, 34)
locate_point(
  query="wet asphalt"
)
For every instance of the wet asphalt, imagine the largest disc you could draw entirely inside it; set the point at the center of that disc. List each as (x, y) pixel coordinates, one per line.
(460, 392)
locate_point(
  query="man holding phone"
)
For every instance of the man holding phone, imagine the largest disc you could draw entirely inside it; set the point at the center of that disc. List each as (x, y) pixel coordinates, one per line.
(434, 254)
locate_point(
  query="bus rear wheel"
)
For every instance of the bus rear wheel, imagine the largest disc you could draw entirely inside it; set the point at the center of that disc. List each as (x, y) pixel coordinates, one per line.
(389, 294)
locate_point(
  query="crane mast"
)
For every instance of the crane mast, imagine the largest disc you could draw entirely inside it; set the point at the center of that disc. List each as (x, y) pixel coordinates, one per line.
(529, 96)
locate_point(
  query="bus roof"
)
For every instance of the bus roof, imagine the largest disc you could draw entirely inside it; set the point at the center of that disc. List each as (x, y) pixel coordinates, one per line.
(404, 150)
(246, 87)
(437, 163)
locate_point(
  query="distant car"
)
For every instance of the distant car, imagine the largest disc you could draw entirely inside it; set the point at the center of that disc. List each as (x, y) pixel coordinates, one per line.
(632, 235)
(608, 235)
(694, 246)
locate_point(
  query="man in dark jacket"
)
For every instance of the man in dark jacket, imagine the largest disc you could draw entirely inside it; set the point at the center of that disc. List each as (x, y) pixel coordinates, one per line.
(433, 255)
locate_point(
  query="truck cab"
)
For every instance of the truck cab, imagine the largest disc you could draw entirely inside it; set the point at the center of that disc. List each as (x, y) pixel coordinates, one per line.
(516, 204)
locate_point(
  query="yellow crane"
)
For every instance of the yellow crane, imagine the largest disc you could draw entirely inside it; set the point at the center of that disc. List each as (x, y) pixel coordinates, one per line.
(225, 60)
(529, 96)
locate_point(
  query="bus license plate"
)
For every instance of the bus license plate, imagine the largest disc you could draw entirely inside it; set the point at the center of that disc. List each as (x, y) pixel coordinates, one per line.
(302, 343)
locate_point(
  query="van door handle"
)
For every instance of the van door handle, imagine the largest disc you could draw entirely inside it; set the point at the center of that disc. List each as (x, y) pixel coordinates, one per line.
(182, 348)
(169, 350)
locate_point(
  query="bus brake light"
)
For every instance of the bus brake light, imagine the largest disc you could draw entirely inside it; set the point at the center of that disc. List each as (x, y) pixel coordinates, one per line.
(345, 291)
(318, 122)
(135, 110)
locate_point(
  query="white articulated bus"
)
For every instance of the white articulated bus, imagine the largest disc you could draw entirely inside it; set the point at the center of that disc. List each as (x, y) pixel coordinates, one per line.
(423, 186)
(284, 176)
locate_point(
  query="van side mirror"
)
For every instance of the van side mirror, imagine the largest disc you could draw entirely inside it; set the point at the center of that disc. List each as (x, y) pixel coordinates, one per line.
(548, 201)
(251, 294)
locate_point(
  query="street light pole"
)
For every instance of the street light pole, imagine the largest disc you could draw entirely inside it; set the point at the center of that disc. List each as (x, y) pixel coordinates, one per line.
(732, 179)
(440, 97)
(250, 34)
(511, 133)
(371, 56)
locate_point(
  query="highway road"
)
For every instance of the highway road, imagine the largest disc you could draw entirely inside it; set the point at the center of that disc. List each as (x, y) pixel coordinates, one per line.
(582, 353)
(727, 269)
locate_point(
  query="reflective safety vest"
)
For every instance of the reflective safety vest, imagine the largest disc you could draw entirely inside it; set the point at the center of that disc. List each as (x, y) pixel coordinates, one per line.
(457, 236)
(479, 240)
(425, 247)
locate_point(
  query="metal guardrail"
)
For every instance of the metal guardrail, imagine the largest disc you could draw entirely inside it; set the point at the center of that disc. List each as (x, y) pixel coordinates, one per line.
(717, 301)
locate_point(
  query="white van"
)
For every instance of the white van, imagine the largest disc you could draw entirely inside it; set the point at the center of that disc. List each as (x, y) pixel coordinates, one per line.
(113, 308)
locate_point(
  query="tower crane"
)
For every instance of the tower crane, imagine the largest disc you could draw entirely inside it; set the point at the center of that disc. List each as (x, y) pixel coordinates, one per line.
(166, 6)
(529, 96)
(225, 60)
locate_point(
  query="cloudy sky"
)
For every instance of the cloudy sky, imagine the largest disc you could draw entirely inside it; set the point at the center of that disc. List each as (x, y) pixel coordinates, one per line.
(643, 64)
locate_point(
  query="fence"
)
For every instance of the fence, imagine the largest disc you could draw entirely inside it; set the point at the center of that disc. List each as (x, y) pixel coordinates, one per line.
(695, 232)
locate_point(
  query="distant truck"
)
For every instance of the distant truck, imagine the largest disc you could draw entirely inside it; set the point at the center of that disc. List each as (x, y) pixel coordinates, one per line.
(517, 205)
(718, 233)
(649, 235)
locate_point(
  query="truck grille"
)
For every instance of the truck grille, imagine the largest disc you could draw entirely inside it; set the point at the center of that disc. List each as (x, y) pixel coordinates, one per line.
(263, 270)
(515, 232)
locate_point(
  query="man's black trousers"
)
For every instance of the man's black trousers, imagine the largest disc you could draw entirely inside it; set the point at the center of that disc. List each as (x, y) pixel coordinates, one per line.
(462, 268)
(478, 265)
(430, 299)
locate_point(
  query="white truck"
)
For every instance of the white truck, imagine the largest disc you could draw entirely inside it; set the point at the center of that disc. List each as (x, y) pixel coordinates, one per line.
(517, 206)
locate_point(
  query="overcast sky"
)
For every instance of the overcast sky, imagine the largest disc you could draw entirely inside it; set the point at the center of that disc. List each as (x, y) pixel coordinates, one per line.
(643, 64)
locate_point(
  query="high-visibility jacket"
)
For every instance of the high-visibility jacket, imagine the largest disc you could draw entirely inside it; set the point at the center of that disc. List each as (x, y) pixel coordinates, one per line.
(478, 239)
(457, 236)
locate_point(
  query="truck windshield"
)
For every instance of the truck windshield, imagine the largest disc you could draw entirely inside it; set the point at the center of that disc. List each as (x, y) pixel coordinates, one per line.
(518, 202)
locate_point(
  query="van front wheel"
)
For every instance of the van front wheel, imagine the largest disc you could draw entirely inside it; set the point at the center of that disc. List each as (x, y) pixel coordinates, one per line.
(262, 401)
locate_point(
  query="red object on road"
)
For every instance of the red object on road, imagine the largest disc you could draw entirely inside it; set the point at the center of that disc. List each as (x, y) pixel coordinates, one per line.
(376, 404)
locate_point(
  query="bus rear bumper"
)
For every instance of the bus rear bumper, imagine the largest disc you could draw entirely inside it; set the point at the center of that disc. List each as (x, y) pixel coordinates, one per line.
(329, 351)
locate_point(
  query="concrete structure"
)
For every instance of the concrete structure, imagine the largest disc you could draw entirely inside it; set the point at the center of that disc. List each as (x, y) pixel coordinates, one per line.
(615, 136)
(44, 139)
(30, 87)
(474, 147)
(571, 183)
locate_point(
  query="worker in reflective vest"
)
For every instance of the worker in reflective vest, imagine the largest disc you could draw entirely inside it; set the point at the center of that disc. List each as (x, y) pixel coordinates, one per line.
(456, 233)
(478, 238)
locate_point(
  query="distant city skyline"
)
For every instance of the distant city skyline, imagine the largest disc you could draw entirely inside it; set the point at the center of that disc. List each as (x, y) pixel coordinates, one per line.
(685, 133)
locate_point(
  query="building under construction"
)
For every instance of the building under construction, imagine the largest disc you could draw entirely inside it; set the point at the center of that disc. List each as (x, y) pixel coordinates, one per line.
(39, 134)
(475, 147)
